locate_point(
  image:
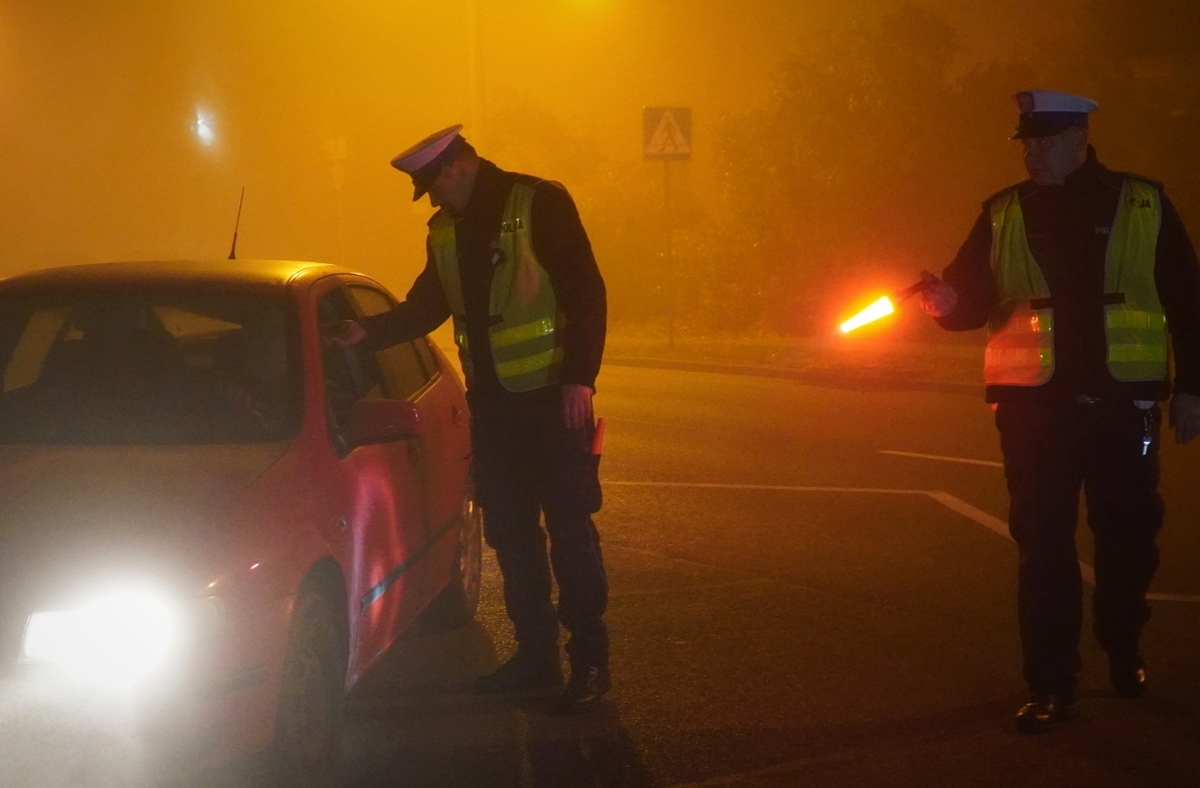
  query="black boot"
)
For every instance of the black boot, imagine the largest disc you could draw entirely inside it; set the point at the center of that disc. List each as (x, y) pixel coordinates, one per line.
(1045, 711)
(588, 684)
(1128, 677)
(523, 671)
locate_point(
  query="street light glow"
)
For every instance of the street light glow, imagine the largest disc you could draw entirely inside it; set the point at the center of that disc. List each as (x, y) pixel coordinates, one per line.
(204, 128)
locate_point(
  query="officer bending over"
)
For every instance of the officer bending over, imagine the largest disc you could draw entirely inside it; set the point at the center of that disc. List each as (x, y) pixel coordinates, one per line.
(508, 259)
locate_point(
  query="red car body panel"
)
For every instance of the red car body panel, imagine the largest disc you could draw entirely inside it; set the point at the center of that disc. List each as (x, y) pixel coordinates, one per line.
(384, 519)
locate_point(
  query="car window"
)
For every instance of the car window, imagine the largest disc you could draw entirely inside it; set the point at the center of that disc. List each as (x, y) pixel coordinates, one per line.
(427, 358)
(351, 373)
(34, 340)
(370, 300)
(167, 365)
(404, 372)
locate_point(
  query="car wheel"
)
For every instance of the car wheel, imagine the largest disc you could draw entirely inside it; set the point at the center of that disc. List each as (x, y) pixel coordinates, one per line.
(308, 723)
(457, 604)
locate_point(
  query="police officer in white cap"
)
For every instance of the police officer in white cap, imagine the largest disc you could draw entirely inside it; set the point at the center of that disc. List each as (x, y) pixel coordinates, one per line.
(1081, 275)
(509, 261)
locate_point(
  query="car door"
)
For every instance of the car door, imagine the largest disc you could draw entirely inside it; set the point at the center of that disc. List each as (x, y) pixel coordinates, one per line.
(382, 491)
(444, 442)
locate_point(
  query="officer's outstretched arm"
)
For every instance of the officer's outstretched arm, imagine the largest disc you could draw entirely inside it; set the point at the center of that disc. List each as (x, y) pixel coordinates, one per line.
(939, 297)
(348, 334)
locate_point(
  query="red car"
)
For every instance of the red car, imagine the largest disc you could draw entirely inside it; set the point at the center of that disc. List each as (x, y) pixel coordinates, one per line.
(213, 519)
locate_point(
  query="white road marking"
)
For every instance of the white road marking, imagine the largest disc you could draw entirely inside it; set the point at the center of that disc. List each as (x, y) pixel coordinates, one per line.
(623, 420)
(951, 502)
(1173, 597)
(956, 504)
(763, 487)
(963, 460)
(993, 523)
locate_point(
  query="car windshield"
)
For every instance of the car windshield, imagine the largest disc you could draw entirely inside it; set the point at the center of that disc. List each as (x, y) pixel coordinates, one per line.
(149, 366)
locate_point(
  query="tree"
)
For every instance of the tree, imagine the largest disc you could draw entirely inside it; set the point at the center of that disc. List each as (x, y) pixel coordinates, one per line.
(844, 177)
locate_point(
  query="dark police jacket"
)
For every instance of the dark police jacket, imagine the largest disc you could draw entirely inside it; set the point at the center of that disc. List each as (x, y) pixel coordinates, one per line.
(1068, 229)
(562, 247)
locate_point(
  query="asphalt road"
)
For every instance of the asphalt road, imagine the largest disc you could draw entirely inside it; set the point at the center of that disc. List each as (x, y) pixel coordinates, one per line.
(797, 600)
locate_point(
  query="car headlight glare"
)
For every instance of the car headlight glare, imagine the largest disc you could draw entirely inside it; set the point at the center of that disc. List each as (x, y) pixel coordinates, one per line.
(114, 641)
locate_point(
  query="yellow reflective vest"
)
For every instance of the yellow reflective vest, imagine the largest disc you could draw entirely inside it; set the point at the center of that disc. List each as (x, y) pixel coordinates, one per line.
(526, 337)
(1020, 347)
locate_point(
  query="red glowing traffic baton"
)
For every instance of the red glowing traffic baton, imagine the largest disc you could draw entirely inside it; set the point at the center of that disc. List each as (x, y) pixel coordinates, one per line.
(598, 437)
(883, 307)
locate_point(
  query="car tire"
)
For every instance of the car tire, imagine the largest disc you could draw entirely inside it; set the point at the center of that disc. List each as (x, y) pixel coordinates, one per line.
(456, 605)
(308, 726)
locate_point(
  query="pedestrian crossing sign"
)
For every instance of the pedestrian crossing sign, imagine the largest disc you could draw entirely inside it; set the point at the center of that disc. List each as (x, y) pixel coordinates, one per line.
(667, 132)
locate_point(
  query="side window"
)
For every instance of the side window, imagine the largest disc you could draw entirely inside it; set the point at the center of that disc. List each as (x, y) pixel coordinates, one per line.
(350, 374)
(428, 359)
(370, 300)
(403, 368)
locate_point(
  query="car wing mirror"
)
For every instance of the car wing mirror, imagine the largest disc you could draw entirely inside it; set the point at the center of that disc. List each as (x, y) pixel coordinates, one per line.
(381, 421)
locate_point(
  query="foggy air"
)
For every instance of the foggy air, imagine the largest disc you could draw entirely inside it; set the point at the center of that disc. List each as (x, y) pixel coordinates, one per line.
(812, 580)
(130, 128)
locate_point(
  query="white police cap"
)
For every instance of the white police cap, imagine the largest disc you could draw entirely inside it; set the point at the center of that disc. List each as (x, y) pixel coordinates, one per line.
(424, 160)
(1045, 113)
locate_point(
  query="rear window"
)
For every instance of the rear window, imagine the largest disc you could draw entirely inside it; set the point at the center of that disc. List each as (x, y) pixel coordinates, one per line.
(162, 366)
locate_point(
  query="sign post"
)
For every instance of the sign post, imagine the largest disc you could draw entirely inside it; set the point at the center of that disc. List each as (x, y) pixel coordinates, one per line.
(667, 136)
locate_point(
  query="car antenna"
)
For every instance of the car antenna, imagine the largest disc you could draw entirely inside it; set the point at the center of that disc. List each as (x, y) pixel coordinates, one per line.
(233, 248)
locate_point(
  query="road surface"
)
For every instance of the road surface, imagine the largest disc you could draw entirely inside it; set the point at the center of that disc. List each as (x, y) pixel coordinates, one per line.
(811, 586)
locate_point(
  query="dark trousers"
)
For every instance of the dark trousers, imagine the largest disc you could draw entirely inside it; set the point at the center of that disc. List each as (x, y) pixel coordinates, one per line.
(528, 465)
(1050, 451)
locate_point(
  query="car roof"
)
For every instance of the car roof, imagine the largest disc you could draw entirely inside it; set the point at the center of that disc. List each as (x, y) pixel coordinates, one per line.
(266, 273)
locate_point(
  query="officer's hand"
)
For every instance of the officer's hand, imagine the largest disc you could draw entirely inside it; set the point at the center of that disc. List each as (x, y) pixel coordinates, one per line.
(1185, 415)
(938, 299)
(350, 333)
(576, 405)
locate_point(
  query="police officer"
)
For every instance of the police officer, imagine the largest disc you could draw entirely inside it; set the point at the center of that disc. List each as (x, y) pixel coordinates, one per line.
(1080, 274)
(509, 261)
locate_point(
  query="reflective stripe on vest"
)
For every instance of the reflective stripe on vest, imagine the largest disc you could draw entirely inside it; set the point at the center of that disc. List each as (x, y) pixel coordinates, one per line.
(525, 339)
(1020, 346)
(1137, 328)
(1020, 349)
